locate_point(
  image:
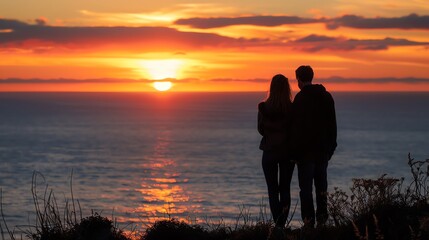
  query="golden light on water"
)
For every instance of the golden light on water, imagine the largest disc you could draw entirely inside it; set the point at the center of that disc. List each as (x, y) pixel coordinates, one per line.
(162, 192)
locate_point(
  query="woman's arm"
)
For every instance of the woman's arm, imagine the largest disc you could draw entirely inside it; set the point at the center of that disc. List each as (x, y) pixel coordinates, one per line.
(260, 123)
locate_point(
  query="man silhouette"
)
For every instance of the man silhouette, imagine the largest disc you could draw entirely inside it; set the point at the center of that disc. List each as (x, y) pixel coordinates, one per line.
(314, 139)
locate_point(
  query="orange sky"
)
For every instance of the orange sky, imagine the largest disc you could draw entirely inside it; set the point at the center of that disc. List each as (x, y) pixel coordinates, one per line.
(219, 46)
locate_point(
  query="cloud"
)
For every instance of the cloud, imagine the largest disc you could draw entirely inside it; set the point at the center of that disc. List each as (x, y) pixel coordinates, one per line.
(316, 38)
(64, 81)
(91, 80)
(23, 35)
(41, 21)
(41, 38)
(267, 21)
(412, 21)
(314, 43)
(255, 80)
(334, 79)
(409, 80)
(11, 24)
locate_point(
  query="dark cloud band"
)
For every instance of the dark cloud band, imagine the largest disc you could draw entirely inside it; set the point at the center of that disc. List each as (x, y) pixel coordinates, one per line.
(412, 21)
(314, 43)
(40, 38)
(268, 21)
(19, 34)
(340, 80)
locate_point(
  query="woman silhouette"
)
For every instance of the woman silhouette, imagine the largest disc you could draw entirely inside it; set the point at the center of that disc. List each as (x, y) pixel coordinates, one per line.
(274, 117)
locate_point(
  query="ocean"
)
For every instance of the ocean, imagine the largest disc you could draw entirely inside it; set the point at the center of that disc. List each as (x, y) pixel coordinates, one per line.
(140, 157)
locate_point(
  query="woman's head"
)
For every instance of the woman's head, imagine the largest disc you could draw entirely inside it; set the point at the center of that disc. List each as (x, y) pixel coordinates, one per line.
(279, 85)
(280, 94)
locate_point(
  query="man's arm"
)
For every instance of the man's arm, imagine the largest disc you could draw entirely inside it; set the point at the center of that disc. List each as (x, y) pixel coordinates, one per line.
(332, 127)
(296, 139)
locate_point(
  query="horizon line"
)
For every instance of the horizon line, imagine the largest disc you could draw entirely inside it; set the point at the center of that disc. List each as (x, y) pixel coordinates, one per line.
(171, 91)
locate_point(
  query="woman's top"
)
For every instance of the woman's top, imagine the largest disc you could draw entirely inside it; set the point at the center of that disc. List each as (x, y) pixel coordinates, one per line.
(274, 128)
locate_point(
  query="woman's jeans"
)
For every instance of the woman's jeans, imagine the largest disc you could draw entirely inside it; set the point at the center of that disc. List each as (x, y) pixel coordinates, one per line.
(278, 170)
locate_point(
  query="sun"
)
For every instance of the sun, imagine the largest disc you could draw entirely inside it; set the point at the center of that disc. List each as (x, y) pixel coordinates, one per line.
(162, 69)
(162, 85)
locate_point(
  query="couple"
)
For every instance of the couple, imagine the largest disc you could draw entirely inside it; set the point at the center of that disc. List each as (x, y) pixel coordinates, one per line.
(303, 133)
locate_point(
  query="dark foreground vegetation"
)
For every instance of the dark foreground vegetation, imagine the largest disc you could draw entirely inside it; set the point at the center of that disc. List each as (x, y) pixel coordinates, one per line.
(383, 208)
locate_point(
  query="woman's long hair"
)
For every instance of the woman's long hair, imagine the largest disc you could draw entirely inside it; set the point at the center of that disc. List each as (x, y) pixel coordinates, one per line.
(279, 97)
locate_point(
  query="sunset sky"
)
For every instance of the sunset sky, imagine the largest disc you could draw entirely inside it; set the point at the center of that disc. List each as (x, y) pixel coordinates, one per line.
(111, 45)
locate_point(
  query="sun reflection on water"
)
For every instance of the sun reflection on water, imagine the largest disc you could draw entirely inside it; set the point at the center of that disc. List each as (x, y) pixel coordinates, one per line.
(162, 191)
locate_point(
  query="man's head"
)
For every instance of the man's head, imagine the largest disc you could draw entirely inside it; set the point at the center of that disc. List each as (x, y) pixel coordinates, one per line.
(304, 75)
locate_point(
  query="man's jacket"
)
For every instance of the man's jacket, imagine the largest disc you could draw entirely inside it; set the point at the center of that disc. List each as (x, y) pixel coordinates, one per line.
(314, 125)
